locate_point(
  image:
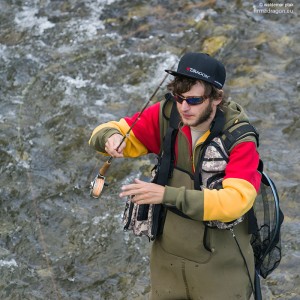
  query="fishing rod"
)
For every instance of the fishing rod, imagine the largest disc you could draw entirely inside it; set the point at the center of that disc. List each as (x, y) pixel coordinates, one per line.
(98, 183)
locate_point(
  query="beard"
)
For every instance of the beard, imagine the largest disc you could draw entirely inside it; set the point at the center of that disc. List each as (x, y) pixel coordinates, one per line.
(203, 117)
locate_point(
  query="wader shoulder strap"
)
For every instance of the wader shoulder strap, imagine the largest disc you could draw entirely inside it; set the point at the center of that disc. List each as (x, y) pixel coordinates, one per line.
(165, 167)
(168, 156)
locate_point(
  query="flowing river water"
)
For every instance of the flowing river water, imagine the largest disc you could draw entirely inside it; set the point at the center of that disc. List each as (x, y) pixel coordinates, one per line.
(67, 66)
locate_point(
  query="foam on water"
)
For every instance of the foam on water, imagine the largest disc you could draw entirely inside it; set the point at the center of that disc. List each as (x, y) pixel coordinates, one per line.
(27, 19)
(4, 53)
(88, 29)
(75, 82)
(8, 263)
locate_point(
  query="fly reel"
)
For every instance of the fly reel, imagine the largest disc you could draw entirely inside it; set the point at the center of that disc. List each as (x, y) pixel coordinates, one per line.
(98, 183)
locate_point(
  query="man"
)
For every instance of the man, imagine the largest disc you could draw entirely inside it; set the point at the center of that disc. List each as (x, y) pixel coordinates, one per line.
(193, 258)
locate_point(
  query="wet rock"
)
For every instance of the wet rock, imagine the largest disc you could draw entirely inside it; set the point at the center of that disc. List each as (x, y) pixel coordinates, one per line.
(11, 38)
(213, 44)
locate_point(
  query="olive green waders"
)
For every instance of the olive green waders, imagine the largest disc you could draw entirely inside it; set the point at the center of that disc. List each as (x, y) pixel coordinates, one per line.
(181, 268)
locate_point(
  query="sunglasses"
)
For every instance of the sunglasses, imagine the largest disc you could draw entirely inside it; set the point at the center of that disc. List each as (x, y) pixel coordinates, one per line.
(193, 100)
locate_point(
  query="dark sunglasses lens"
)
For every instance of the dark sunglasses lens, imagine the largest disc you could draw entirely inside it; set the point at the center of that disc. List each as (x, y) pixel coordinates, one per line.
(194, 100)
(189, 100)
(178, 98)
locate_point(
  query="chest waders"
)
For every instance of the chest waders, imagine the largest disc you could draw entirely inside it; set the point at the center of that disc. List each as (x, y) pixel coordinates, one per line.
(165, 166)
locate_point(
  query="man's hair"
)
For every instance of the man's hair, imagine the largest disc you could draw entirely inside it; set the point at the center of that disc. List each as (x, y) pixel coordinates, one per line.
(183, 84)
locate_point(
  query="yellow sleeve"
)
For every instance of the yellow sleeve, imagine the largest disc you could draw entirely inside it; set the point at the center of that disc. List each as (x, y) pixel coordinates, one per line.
(229, 203)
(134, 147)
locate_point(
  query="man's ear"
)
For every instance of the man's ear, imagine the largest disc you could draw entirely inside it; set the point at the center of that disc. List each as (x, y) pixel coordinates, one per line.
(216, 102)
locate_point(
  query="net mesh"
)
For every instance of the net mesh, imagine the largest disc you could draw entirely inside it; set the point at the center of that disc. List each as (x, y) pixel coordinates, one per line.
(266, 242)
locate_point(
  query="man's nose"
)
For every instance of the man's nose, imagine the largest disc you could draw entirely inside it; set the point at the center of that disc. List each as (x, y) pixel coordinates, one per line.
(185, 106)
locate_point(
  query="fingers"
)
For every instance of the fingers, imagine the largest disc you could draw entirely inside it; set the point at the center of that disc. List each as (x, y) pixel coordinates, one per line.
(143, 192)
(133, 189)
(112, 145)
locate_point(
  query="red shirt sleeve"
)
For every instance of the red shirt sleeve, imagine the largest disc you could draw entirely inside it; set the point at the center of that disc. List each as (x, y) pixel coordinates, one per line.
(146, 129)
(243, 163)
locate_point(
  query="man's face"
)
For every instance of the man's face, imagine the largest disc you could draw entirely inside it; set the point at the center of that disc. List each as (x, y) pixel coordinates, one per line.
(197, 115)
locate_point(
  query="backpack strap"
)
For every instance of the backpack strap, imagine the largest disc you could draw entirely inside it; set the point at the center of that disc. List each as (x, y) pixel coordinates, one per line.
(252, 220)
(237, 132)
(230, 136)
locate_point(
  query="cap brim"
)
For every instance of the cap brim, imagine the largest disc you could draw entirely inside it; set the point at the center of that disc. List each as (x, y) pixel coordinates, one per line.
(174, 73)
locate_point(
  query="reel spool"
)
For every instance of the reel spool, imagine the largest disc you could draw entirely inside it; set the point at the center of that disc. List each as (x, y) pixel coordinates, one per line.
(97, 186)
(99, 182)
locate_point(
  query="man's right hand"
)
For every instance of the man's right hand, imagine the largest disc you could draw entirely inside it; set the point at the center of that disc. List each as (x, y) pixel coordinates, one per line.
(112, 143)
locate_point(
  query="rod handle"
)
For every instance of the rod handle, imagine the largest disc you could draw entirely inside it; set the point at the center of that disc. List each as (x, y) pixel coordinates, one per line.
(104, 168)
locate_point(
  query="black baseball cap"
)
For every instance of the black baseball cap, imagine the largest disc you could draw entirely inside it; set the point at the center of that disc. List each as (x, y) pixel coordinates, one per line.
(201, 66)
